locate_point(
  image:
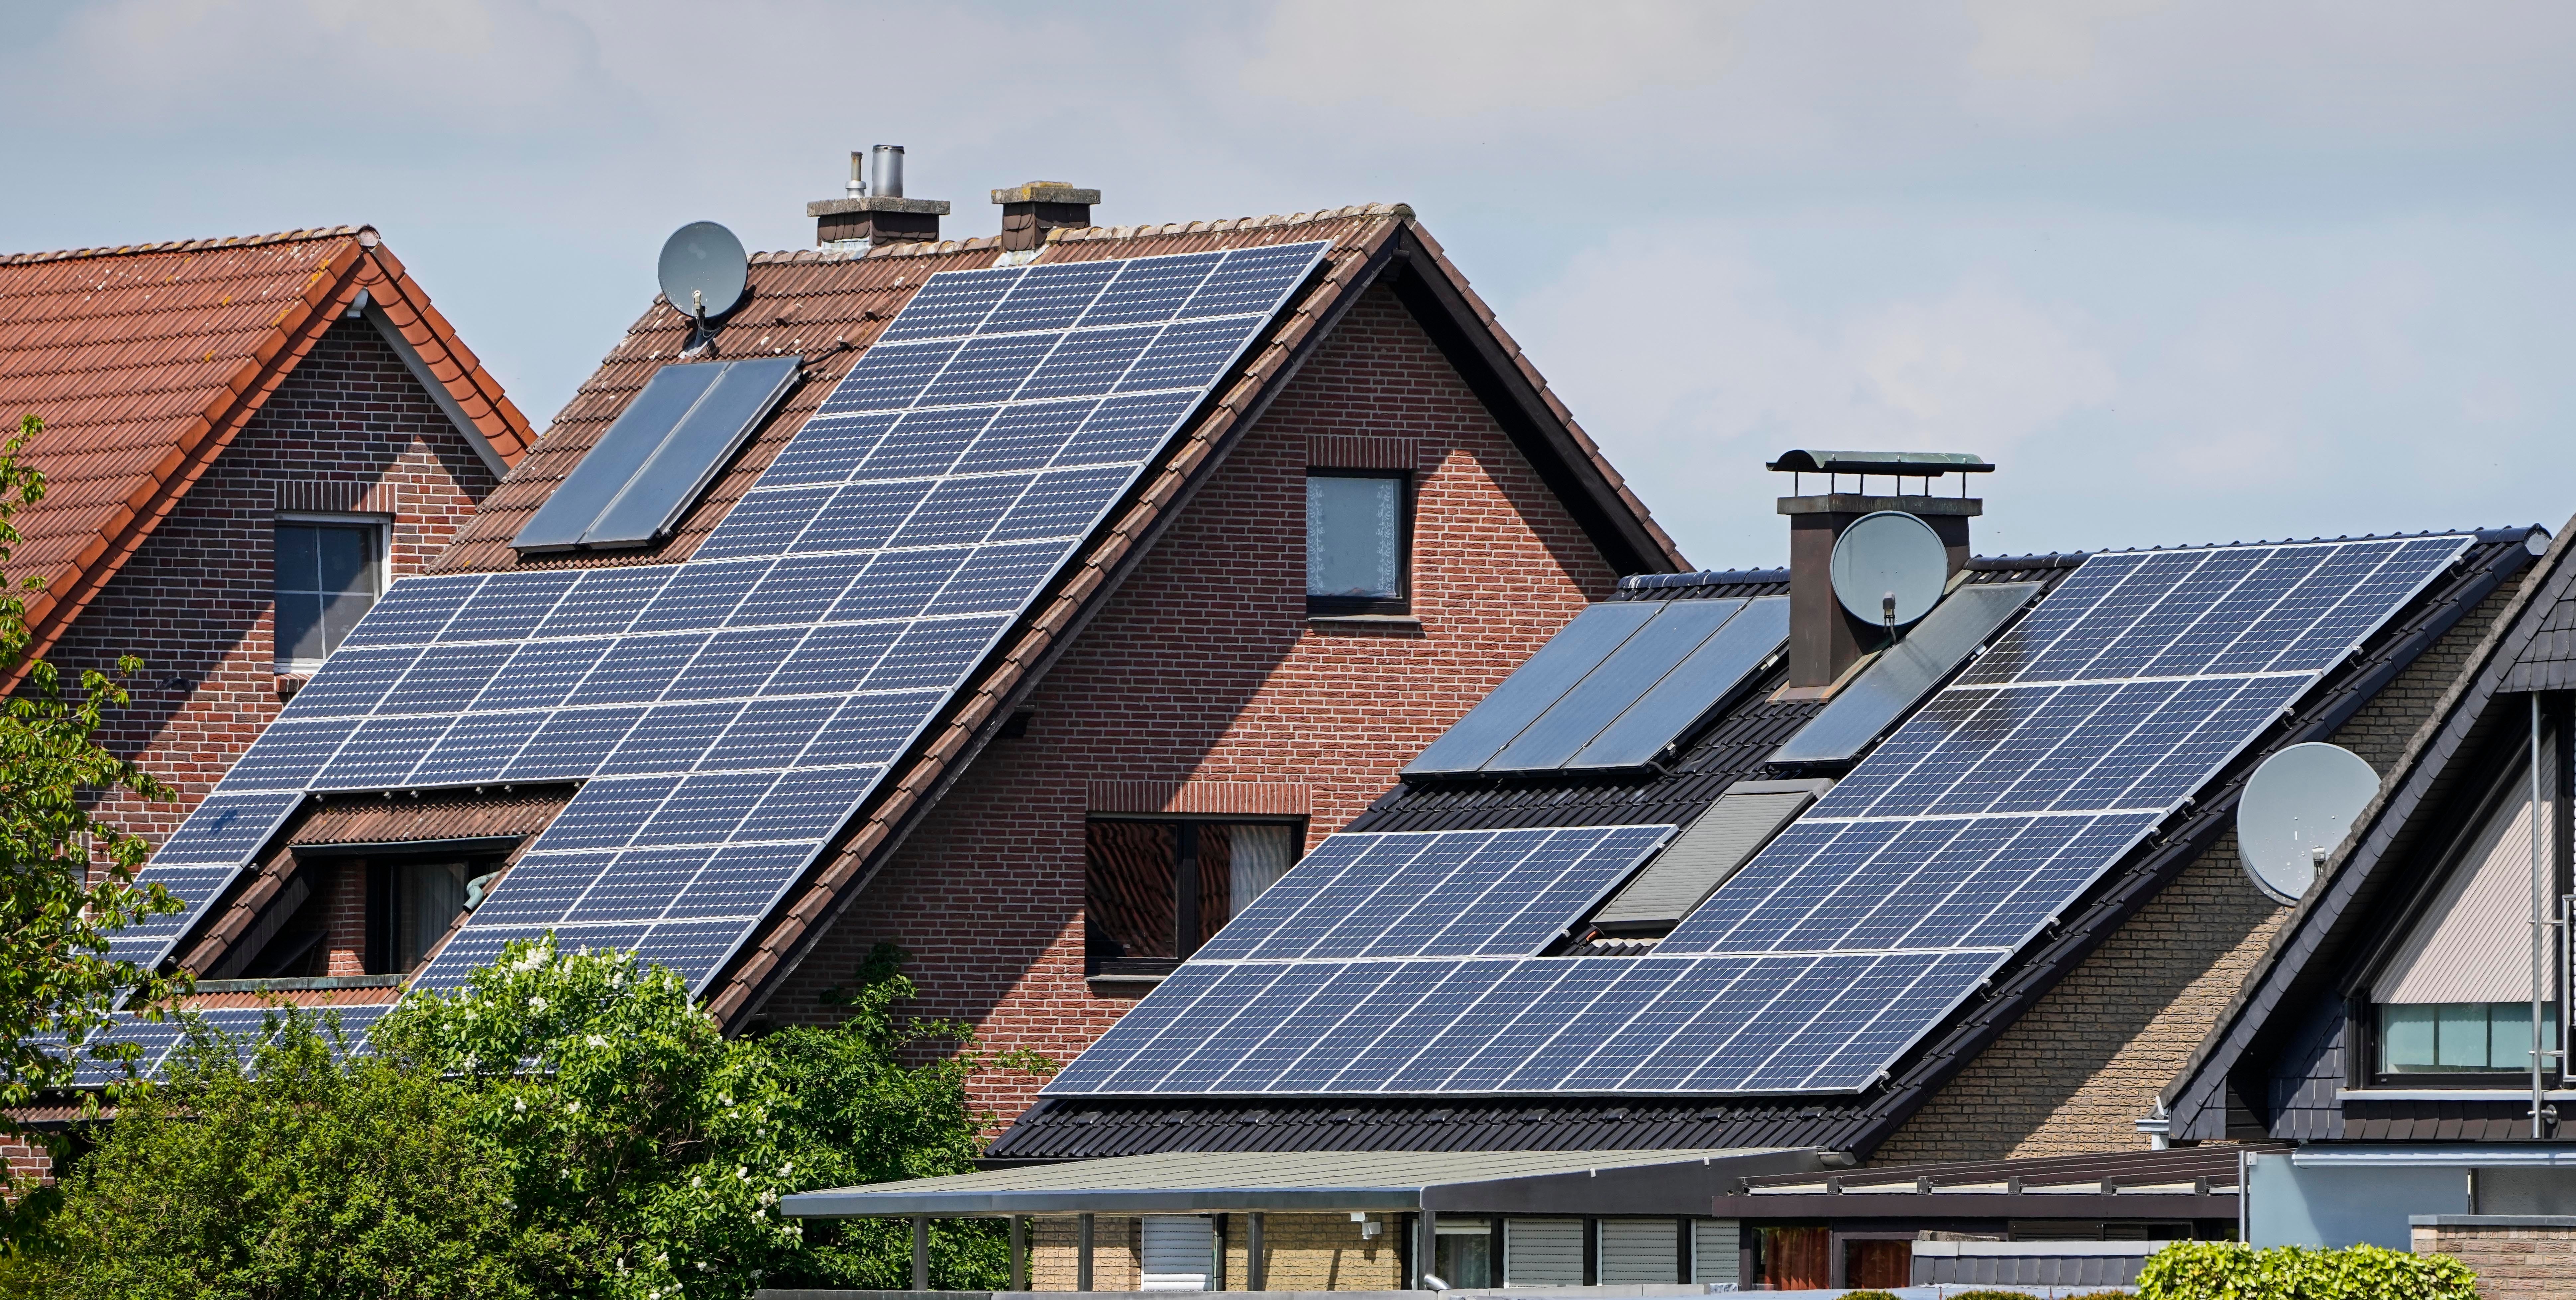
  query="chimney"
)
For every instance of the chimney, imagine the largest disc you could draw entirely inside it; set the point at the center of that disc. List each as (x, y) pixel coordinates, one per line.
(876, 212)
(1031, 210)
(1825, 642)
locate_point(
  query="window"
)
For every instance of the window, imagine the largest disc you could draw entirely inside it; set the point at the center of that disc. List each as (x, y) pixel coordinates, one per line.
(1156, 890)
(1358, 541)
(2461, 1037)
(1463, 1252)
(410, 907)
(329, 573)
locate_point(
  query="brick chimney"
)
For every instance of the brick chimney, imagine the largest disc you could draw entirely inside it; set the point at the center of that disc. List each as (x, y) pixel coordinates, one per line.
(1031, 210)
(876, 212)
(1825, 641)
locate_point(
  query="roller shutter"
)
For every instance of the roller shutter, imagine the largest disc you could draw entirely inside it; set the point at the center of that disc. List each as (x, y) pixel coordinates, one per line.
(1543, 1252)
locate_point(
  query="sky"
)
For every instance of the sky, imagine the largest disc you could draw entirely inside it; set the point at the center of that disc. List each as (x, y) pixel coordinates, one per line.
(2185, 272)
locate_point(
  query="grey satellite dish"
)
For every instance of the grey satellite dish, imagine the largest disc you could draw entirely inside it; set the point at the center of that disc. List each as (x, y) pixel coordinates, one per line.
(1890, 568)
(704, 270)
(2296, 809)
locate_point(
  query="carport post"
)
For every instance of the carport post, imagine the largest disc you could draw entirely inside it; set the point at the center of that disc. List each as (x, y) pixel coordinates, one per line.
(1256, 1277)
(1426, 1255)
(921, 1252)
(1082, 1252)
(1019, 1252)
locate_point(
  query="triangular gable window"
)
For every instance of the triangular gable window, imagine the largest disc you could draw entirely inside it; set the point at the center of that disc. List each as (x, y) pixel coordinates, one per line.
(2455, 997)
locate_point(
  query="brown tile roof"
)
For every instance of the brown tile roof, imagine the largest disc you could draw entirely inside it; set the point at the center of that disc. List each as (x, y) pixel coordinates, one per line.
(146, 360)
(829, 306)
(454, 816)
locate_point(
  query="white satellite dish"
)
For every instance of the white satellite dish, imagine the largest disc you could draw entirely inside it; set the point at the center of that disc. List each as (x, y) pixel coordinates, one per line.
(2297, 807)
(704, 270)
(1890, 568)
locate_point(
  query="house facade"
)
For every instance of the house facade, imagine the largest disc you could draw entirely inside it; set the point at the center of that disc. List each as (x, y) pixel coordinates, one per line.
(1311, 512)
(2385, 1040)
(245, 442)
(1940, 908)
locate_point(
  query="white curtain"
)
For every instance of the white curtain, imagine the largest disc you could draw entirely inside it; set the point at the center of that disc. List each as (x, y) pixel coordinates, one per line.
(1259, 856)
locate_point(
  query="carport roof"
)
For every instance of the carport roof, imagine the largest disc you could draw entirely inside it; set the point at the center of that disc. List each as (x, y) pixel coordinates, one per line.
(1206, 1181)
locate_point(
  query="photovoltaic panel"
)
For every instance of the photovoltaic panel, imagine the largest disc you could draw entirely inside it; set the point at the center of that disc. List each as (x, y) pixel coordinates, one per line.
(1860, 927)
(661, 452)
(1437, 893)
(1863, 711)
(728, 713)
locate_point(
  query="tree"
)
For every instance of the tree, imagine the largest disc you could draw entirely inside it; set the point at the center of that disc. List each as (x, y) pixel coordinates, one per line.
(275, 1168)
(59, 985)
(646, 1153)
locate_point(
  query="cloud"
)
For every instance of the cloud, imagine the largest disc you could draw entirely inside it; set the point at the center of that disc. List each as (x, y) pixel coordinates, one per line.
(2052, 39)
(1460, 58)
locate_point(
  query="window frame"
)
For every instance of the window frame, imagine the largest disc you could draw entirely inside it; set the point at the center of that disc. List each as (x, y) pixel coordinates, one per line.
(382, 874)
(379, 526)
(2504, 1079)
(1186, 909)
(1349, 606)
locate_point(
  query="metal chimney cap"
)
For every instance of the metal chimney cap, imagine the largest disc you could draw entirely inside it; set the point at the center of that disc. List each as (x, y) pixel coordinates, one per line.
(1908, 464)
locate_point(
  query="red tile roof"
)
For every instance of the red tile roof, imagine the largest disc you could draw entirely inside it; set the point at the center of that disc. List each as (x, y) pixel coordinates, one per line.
(145, 361)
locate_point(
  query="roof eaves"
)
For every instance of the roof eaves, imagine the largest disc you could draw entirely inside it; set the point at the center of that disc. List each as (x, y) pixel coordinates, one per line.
(783, 942)
(2436, 744)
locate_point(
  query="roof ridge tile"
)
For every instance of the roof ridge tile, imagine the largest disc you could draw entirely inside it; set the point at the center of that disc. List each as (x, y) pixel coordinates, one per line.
(181, 245)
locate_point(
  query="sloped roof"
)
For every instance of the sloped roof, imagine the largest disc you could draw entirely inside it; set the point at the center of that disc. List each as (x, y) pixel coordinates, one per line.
(828, 307)
(1727, 748)
(146, 360)
(2525, 650)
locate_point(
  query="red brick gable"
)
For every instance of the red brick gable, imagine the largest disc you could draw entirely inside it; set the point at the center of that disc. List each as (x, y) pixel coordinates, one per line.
(349, 429)
(147, 361)
(1202, 685)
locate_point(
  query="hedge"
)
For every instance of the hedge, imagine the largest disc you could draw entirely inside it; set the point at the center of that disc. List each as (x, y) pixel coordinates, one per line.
(2222, 1270)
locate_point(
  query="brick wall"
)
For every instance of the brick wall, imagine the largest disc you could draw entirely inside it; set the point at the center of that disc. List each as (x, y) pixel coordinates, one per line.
(2512, 1261)
(1204, 669)
(1302, 1252)
(349, 428)
(2075, 1072)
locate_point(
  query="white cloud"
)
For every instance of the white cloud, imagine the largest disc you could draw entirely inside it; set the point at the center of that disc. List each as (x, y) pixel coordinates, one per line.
(1459, 58)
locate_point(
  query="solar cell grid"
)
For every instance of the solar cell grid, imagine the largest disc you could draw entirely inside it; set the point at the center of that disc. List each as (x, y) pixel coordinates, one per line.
(1856, 931)
(730, 711)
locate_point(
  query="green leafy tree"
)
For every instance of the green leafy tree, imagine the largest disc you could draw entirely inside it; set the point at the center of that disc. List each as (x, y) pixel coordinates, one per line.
(59, 988)
(259, 1171)
(645, 1153)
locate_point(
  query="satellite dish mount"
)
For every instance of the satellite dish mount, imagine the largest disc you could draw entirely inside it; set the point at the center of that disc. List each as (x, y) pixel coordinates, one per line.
(705, 273)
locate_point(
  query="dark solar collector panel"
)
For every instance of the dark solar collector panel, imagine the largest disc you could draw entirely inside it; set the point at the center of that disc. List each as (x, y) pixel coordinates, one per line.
(663, 450)
(1864, 710)
(1614, 688)
(728, 713)
(1865, 922)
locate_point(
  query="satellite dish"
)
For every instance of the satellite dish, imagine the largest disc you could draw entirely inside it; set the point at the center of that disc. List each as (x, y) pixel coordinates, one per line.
(704, 270)
(1890, 568)
(2298, 806)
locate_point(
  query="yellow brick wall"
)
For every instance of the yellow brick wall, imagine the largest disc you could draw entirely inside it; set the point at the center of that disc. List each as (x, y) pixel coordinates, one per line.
(1304, 1252)
(2511, 1263)
(2078, 1070)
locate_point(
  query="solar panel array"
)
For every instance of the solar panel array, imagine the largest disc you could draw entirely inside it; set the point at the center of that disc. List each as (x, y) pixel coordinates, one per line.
(728, 713)
(1894, 682)
(1853, 934)
(1614, 689)
(666, 446)
(157, 1039)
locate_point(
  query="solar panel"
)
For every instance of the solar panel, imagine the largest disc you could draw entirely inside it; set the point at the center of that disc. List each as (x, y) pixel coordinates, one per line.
(1857, 930)
(1865, 709)
(1613, 689)
(728, 713)
(631, 488)
(1436, 893)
